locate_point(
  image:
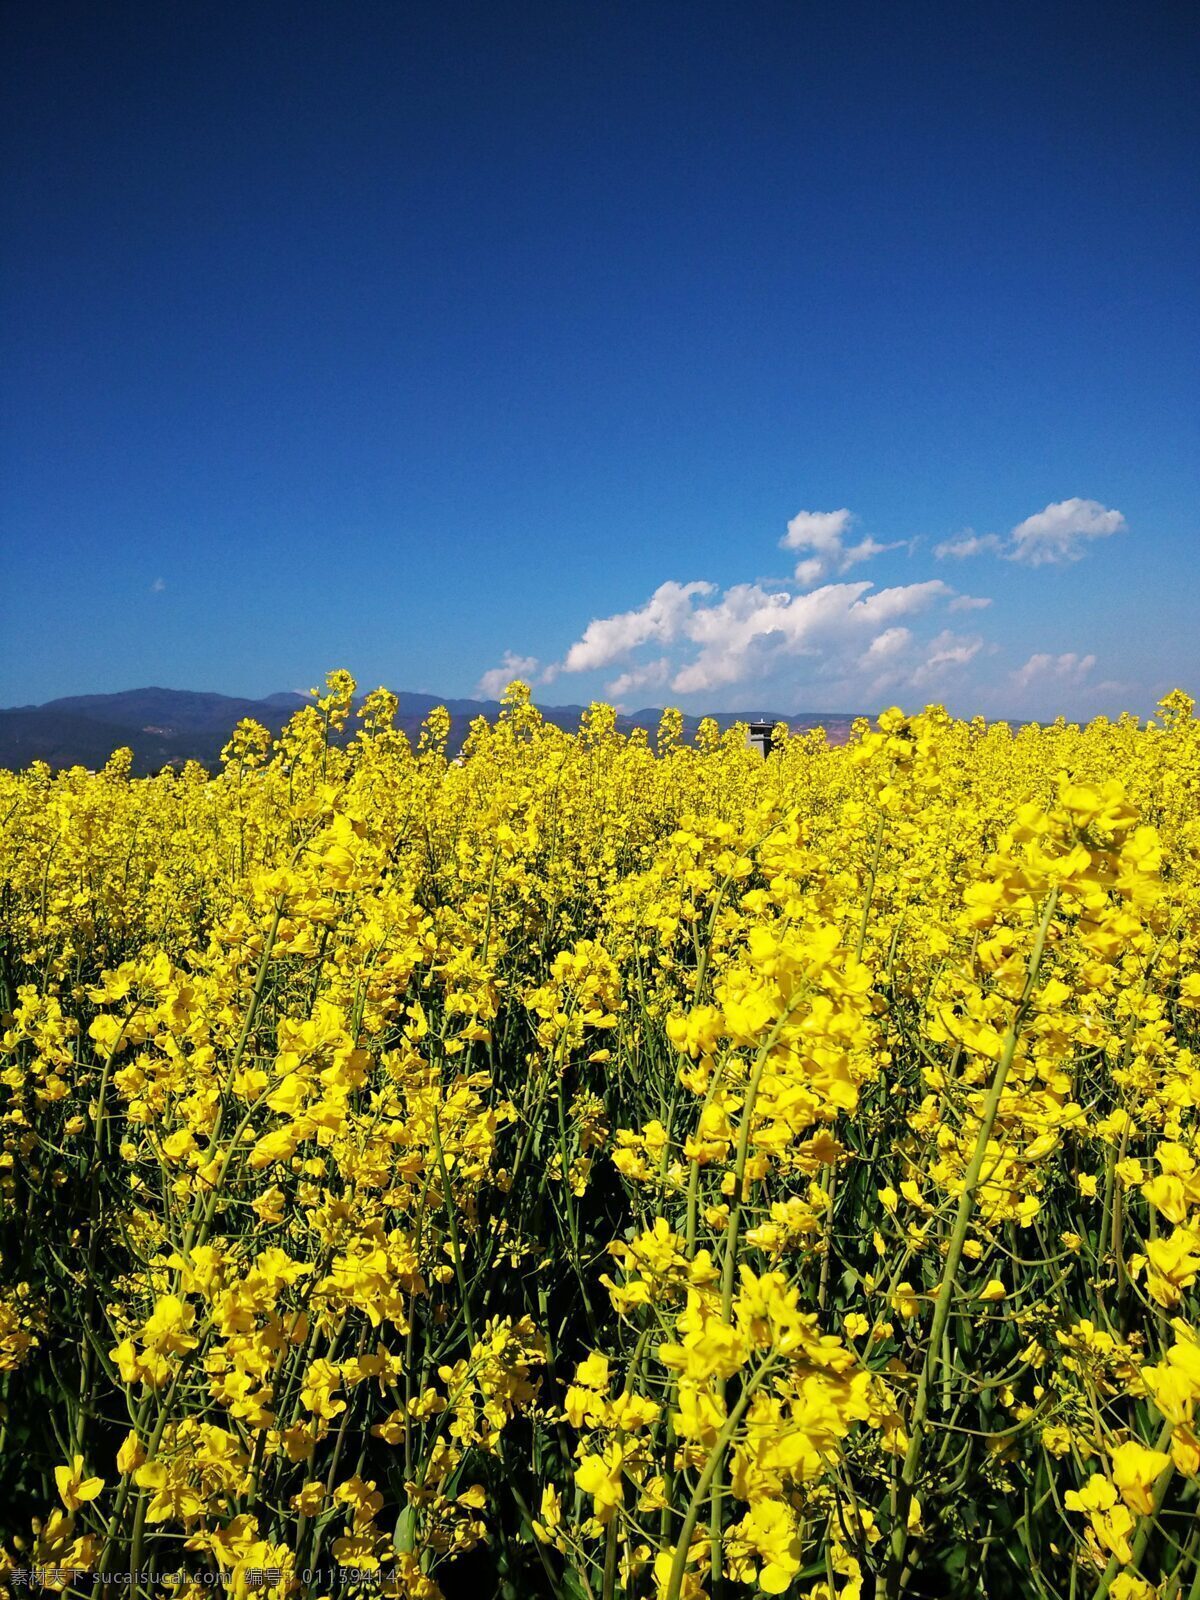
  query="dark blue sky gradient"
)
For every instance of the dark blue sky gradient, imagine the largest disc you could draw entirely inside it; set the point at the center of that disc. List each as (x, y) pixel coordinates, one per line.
(398, 335)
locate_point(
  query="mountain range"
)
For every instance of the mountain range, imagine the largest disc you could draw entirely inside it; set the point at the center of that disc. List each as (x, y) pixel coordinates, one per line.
(170, 726)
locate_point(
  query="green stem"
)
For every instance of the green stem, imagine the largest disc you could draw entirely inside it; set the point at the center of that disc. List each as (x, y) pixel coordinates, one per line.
(958, 1238)
(452, 1225)
(1142, 1536)
(865, 920)
(703, 1483)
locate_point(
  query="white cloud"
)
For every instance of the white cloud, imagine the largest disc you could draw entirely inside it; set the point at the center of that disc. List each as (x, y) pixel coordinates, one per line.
(968, 544)
(822, 531)
(1061, 531)
(607, 639)
(742, 634)
(650, 676)
(899, 662)
(863, 551)
(1068, 668)
(752, 630)
(885, 646)
(903, 599)
(158, 586)
(822, 534)
(829, 636)
(946, 650)
(493, 683)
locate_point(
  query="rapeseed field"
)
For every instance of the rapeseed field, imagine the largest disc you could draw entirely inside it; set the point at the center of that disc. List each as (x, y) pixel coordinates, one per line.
(604, 1166)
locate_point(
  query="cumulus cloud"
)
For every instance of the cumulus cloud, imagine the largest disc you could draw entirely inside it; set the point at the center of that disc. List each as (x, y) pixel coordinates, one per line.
(607, 639)
(898, 662)
(1058, 533)
(1062, 530)
(493, 683)
(1042, 667)
(809, 572)
(650, 676)
(904, 599)
(822, 534)
(158, 586)
(822, 633)
(885, 646)
(946, 650)
(751, 630)
(748, 631)
(968, 544)
(750, 627)
(822, 531)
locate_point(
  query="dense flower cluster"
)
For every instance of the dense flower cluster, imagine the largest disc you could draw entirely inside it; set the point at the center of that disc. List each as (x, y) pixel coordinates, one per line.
(599, 1165)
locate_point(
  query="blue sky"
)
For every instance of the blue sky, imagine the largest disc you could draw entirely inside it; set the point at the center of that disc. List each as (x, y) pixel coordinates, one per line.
(423, 338)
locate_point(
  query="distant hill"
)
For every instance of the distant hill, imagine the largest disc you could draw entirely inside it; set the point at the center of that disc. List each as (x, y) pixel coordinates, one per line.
(158, 725)
(162, 726)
